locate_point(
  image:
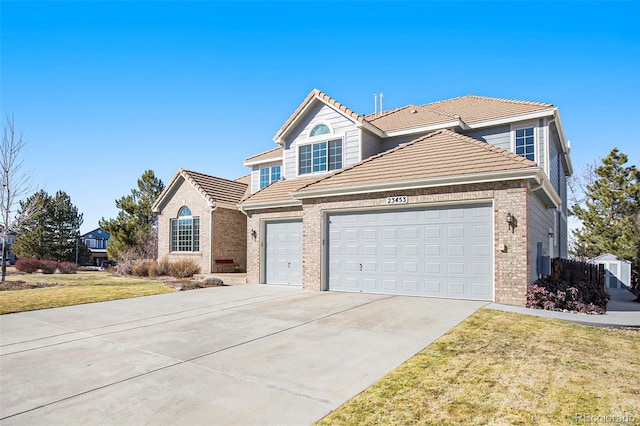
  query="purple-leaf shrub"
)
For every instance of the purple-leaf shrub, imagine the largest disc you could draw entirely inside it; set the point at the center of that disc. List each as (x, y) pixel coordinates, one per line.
(48, 266)
(27, 265)
(557, 295)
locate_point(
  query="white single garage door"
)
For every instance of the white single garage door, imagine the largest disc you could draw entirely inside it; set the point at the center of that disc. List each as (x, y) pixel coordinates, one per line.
(434, 252)
(283, 252)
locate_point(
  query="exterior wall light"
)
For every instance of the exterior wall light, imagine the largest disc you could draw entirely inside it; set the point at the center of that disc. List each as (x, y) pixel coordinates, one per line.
(254, 234)
(512, 221)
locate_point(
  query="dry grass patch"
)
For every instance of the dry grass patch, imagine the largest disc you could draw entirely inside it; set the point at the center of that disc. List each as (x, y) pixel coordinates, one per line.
(83, 287)
(504, 368)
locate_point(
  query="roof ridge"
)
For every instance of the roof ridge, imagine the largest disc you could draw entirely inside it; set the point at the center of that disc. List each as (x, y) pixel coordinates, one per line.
(385, 113)
(515, 101)
(263, 152)
(211, 176)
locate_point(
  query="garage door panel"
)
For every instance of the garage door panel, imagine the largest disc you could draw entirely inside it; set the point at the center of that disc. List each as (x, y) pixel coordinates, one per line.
(438, 252)
(283, 252)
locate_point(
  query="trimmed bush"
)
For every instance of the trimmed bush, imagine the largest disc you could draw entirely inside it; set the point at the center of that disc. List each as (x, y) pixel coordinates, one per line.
(48, 266)
(27, 265)
(67, 268)
(557, 295)
(184, 268)
(140, 267)
(163, 266)
(153, 268)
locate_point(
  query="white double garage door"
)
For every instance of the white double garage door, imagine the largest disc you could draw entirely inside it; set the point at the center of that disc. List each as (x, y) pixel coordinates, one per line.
(444, 251)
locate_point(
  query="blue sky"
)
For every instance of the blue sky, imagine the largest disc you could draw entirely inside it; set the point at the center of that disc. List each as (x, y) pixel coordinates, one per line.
(106, 90)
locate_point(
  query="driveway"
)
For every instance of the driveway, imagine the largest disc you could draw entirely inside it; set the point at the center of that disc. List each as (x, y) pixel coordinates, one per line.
(252, 354)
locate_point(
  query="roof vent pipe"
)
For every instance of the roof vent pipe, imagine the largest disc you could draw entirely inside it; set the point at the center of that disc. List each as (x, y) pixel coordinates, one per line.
(375, 104)
(381, 96)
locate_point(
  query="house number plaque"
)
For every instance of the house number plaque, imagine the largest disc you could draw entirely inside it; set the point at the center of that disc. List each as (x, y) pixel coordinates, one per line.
(398, 200)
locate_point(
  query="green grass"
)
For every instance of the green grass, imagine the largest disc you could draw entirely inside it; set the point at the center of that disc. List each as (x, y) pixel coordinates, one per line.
(75, 289)
(504, 368)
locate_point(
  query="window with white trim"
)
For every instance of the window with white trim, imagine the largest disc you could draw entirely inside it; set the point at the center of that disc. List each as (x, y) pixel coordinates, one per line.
(268, 175)
(525, 143)
(185, 231)
(320, 157)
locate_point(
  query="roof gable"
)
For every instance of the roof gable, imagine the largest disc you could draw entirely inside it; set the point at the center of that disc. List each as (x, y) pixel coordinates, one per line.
(214, 189)
(317, 96)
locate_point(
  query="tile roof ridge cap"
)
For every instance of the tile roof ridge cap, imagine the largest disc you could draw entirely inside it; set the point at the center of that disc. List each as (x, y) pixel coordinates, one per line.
(373, 157)
(192, 172)
(444, 100)
(388, 112)
(441, 112)
(515, 101)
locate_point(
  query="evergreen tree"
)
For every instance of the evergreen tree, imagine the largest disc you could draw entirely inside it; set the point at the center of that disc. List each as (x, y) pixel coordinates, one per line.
(31, 239)
(134, 226)
(610, 210)
(64, 227)
(53, 234)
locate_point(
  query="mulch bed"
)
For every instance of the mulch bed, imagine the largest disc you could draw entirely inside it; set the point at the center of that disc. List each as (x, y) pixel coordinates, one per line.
(22, 285)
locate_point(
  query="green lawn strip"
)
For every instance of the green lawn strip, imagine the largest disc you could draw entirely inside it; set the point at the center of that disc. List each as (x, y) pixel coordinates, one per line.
(75, 289)
(505, 368)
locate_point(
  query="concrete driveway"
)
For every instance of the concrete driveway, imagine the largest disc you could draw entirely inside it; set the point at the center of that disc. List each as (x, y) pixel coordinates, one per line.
(252, 354)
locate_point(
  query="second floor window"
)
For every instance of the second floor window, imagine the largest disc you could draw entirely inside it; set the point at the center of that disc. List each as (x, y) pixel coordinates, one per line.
(525, 143)
(320, 157)
(268, 175)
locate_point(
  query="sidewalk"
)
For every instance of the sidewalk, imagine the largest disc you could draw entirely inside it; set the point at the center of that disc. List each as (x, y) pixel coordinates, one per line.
(622, 311)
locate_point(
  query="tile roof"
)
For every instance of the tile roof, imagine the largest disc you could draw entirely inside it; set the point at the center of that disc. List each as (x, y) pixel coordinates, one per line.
(272, 154)
(212, 188)
(278, 191)
(470, 109)
(439, 154)
(474, 108)
(315, 93)
(246, 179)
(408, 117)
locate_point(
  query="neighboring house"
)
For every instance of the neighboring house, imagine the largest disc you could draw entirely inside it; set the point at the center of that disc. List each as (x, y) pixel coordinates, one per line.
(617, 271)
(11, 239)
(199, 219)
(96, 241)
(463, 198)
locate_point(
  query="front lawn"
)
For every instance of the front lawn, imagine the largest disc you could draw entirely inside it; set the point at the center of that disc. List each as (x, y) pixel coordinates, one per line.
(506, 368)
(75, 289)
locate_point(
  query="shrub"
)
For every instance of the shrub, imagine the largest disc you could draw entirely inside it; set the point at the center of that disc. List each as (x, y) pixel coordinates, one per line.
(48, 266)
(184, 268)
(124, 267)
(67, 268)
(557, 295)
(153, 268)
(27, 265)
(163, 266)
(140, 267)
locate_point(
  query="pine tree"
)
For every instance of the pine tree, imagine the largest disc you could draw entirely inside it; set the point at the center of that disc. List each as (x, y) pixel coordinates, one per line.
(610, 211)
(64, 228)
(133, 228)
(31, 240)
(52, 234)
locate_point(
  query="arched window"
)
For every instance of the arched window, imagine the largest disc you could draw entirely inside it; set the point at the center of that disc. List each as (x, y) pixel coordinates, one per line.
(320, 129)
(185, 231)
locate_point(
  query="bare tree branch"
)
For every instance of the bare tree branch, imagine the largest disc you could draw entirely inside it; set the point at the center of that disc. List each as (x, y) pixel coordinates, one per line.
(14, 184)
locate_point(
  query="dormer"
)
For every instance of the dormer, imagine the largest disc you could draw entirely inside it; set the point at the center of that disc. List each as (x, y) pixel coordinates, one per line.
(266, 168)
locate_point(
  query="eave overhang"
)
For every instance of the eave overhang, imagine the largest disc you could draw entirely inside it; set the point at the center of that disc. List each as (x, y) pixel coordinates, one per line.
(534, 174)
(269, 204)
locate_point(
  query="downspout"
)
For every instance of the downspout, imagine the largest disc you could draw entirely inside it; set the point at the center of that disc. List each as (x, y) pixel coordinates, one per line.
(213, 209)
